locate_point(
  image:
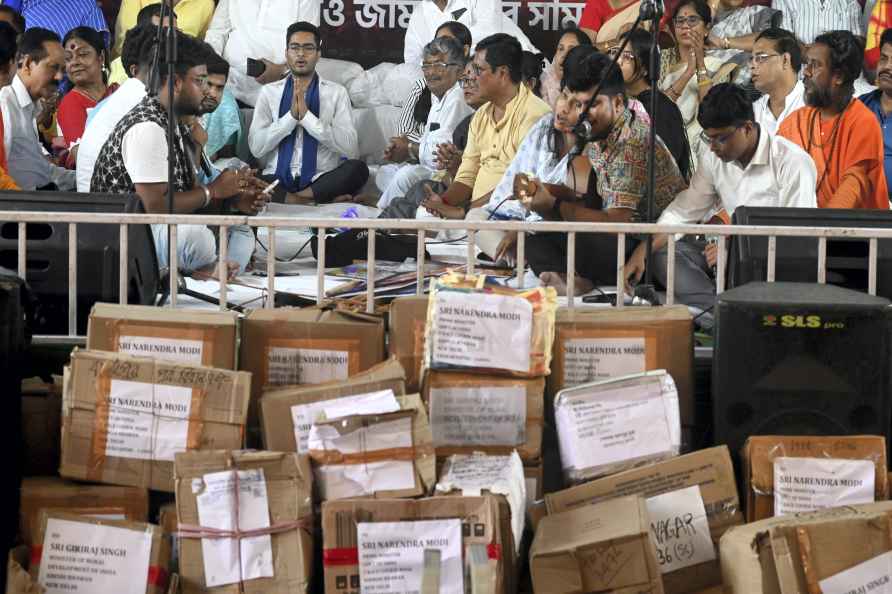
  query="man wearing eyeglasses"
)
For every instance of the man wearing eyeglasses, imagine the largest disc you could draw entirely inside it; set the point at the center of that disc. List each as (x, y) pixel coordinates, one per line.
(303, 132)
(840, 133)
(744, 166)
(775, 64)
(442, 64)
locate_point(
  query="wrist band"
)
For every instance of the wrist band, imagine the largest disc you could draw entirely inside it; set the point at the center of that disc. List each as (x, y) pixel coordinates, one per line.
(207, 195)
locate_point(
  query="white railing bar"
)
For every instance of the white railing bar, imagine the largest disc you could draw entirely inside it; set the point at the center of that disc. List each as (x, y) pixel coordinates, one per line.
(472, 250)
(173, 264)
(370, 274)
(571, 269)
(521, 255)
(72, 278)
(772, 258)
(822, 260)
(620, 269)
(123, 262)
(223, 265)
(419, 264)
(23, 250)
(872, 267)
(720, 266)
(320, 265)
(670, 271)
(270, 267)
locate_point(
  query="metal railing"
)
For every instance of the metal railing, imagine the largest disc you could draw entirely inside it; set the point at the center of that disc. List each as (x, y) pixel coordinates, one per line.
(621, 230)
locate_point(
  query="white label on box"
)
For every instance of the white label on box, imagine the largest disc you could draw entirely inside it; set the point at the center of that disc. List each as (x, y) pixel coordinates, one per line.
(810, 484)
(304, 415)
(871, 577)
(612, 426)
(482, 330)
(679, 529)
(169, 349)
(289, 366)
(353, 480)
(484, 416)
(391, 555)
(595, 359)
(86, 558)
(216, 509)
(147, 421)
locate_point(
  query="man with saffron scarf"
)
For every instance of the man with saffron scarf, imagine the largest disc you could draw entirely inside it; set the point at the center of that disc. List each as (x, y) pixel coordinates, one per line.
(842, 136)
(303, 131)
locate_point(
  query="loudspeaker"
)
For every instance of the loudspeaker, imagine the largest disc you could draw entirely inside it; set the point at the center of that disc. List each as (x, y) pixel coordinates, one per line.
(800, 359)
(46, 268)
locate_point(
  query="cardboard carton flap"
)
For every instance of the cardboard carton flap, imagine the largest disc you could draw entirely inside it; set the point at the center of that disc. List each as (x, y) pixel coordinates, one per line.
(148, 313)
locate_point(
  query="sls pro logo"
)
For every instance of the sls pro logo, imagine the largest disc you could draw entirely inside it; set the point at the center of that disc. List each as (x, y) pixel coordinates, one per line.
(800, 321)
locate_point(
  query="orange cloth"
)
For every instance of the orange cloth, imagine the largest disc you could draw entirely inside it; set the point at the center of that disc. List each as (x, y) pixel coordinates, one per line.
(855, 177)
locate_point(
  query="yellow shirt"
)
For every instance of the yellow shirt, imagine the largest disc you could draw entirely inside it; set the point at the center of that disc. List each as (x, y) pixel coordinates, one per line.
(193, 17)
(116, 72)
(492, 145)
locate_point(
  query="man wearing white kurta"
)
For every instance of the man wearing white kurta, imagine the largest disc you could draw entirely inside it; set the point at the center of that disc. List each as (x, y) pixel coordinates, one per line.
(303, 132)
(443, 63)
(243, 29)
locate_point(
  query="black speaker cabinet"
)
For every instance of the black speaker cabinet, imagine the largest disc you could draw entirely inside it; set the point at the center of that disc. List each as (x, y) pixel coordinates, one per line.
(800, 359)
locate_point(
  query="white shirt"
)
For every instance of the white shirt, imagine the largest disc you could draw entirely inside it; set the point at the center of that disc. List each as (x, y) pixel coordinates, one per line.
(28, 164)
(535, 158)
(243, 29)
(793, 101)
(809, 18)
(482, 17)
(334, 128)
(444, 116)
(779, 174)
(100, 126)
(144, 151)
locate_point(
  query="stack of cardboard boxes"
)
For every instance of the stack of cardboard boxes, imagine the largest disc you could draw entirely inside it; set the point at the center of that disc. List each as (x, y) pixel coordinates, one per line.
(411, 474)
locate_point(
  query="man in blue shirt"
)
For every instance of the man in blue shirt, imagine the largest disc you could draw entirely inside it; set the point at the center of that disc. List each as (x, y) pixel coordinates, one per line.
(880, 100)
(61, 16)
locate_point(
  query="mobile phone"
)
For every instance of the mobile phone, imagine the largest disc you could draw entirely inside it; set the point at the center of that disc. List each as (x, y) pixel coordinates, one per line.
(600, 298)
(255, 68)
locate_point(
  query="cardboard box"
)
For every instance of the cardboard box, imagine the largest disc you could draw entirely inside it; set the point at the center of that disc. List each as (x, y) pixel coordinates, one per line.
(122, 552)
(630, 340)
(125, 417)
(596, 548)
(167, 519)
(534, 477)
(408, 461)
(277, 405)
(408, 315)
(41, 427)
(756, 557)
(711, 470)
(761, 451)
(18, 580)
(286, 346)
(288, 484)
(39, 493)
(479, 413)
(186, 336)
(484, 523)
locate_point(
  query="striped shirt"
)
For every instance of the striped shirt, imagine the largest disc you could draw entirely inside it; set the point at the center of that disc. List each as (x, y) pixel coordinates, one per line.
(407, 126)
(61, 16)
(809, 18)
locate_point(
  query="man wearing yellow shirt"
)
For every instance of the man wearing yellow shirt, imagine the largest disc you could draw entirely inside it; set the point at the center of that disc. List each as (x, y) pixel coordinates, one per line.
(193, 17)
(496, 130)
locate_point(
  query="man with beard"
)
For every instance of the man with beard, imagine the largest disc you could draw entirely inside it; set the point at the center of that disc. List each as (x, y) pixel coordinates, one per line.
(745, 166)
(617, 149)
(134, 159)
(41, 64)
(880, 101)
(841, 134)
(303, 128)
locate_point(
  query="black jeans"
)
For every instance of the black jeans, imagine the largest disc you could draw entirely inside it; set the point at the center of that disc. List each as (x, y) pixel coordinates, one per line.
(347, 178)
(595, 254)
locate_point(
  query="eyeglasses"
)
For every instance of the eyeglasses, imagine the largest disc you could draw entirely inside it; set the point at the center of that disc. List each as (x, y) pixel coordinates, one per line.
(467, 81)
(429, 66)
(718, 140)
(201, 81)
(306, 48)
(762, 58)
(626, 56)
(688, 22)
